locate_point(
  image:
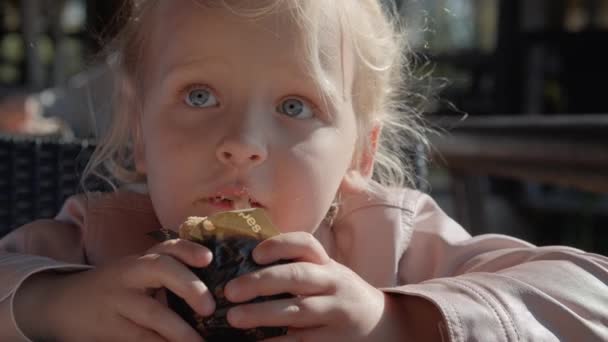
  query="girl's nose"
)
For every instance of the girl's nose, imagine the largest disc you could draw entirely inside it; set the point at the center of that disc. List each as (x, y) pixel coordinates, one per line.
(241, 154)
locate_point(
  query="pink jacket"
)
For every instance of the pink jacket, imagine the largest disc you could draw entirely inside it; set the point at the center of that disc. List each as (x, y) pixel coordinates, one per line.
(488, 288)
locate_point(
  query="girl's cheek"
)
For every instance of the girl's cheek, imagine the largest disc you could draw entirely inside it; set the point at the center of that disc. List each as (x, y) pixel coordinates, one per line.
(184, 123)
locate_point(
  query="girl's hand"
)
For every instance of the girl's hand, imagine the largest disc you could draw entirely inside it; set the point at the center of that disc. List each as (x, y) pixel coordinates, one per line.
(332, 303)
(115, 302)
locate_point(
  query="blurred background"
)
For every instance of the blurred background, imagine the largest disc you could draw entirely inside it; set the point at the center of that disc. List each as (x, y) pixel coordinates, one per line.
(523, 148)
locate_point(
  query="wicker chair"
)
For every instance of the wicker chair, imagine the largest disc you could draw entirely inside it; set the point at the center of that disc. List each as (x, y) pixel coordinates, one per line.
(36, 176)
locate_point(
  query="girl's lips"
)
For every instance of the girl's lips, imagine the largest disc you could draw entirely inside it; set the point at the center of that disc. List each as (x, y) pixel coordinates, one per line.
(223, 204)
(256, 205)
(229, 204)
(230, 197)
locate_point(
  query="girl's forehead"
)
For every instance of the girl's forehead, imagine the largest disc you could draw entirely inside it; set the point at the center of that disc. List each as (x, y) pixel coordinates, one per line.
(187, 30)
(194, 19)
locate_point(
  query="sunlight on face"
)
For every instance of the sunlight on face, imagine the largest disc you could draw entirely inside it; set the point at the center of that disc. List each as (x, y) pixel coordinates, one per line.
(228, 103)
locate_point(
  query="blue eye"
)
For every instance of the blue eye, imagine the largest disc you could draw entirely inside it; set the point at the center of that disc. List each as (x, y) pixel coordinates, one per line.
(200, 98)
(295, 108)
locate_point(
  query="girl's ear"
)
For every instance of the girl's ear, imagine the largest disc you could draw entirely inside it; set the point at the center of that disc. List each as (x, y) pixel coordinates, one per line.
(356, 178)
(366, 164)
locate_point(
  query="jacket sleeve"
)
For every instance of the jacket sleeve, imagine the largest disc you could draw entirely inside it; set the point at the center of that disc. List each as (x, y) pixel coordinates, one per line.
(498, 288)
(43, 245)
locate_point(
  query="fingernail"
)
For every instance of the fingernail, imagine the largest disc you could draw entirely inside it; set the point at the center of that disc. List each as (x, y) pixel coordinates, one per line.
(258, 256)
(235, 316)
(204, 254)
(201, 287)
(230, 290)
(208, 306)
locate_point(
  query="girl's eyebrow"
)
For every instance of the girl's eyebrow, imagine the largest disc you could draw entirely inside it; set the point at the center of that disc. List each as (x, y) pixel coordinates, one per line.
(286, 69)
(208, 62)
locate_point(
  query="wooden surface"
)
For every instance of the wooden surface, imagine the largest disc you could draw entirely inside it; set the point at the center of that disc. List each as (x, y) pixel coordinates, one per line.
(565, 150)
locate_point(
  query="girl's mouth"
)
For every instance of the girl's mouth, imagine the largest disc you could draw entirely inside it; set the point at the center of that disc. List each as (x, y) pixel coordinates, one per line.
(228, 203)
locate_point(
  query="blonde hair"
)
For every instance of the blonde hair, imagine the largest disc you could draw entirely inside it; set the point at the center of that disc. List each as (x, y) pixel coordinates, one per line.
(381, 88)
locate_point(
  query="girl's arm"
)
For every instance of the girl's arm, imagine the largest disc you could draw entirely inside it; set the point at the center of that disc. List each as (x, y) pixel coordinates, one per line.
(40, 246)
(497, 288)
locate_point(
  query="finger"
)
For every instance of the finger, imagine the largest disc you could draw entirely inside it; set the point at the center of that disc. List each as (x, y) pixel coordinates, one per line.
(298, 278)
(158, 270)
(130, 331)
(188, 252)
(299, 246)
(305, 335)
(285, 338)
(148, 313)
(299, 312)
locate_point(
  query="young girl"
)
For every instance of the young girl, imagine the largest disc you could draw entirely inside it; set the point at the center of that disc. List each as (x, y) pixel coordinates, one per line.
(290, 105)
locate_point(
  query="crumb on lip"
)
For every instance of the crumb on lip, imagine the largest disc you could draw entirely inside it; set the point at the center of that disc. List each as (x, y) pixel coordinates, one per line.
(244, 202)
